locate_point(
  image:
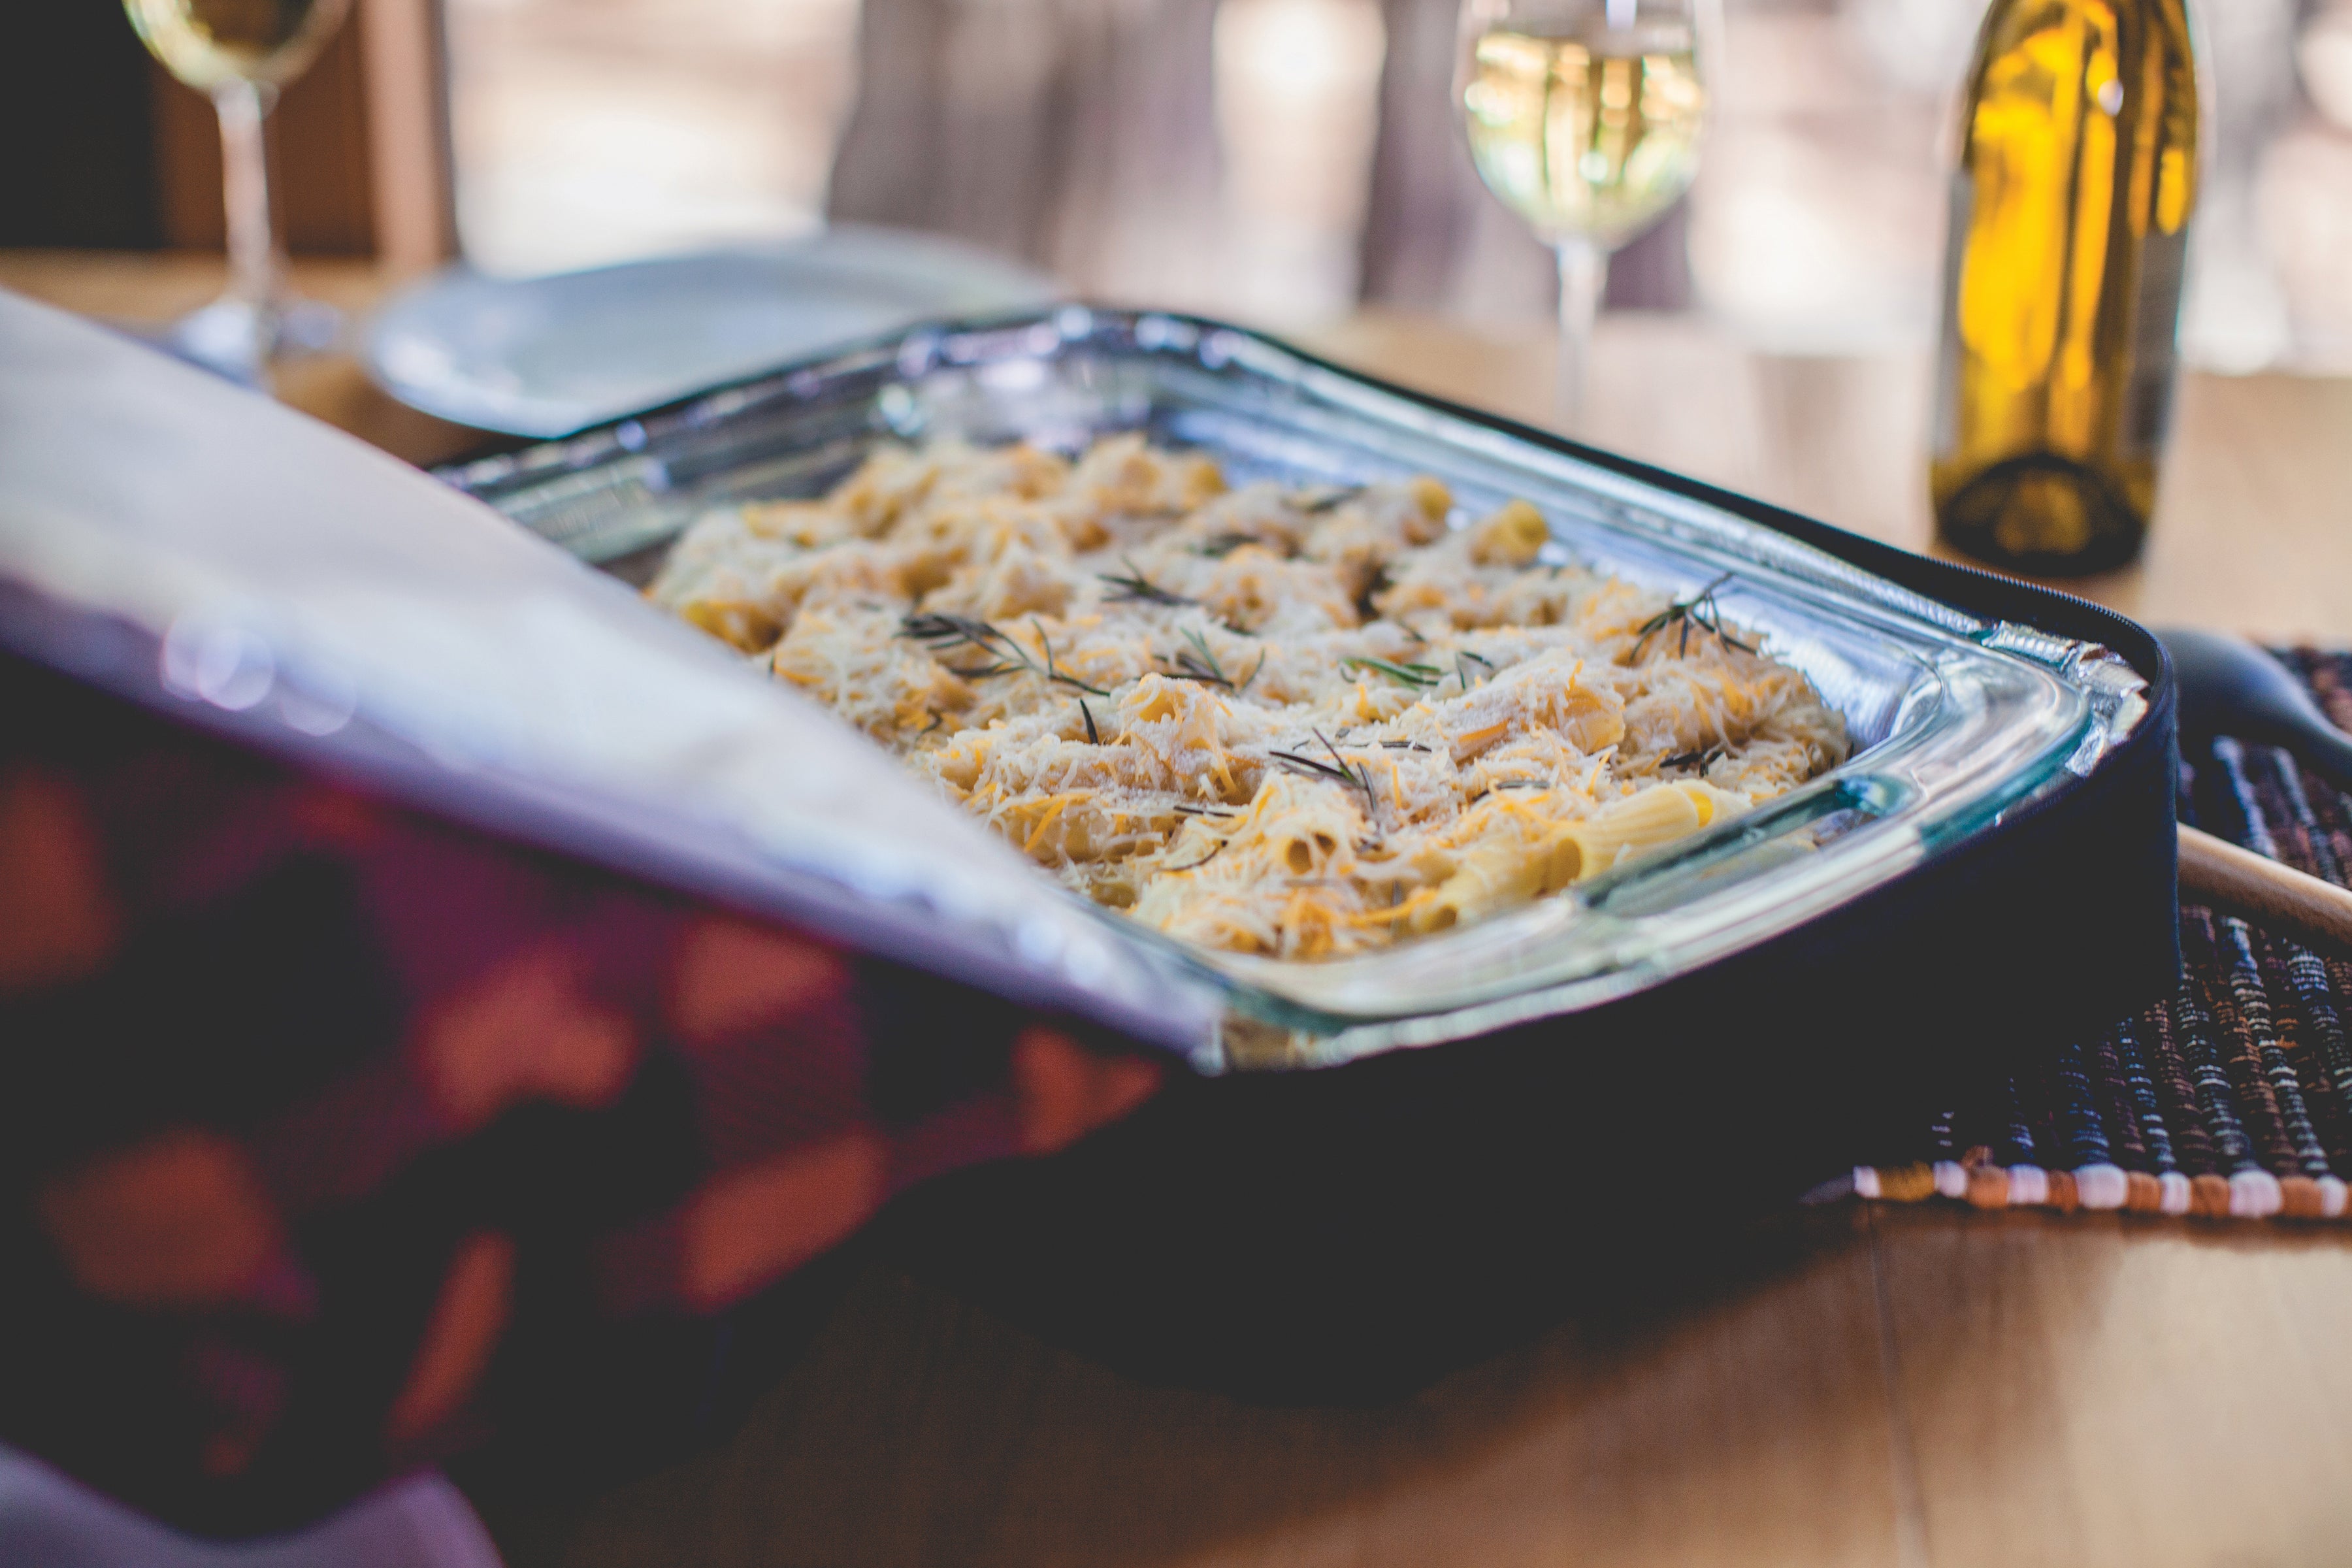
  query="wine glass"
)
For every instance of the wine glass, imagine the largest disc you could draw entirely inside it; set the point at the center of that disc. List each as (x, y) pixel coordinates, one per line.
(1584, 118)
(239, 53)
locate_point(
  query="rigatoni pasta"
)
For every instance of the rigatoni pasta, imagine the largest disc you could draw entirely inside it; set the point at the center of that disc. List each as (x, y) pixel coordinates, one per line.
(1300, 722)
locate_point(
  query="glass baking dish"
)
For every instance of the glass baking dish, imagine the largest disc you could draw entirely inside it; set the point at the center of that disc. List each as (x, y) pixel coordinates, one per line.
(1957, 718)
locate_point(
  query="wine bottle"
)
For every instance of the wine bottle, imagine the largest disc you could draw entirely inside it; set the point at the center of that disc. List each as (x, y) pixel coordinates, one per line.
(2070, 211)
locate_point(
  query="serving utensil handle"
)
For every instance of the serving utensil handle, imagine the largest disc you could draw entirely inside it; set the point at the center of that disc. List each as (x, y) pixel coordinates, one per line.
(2323, 747)
(2240, 882)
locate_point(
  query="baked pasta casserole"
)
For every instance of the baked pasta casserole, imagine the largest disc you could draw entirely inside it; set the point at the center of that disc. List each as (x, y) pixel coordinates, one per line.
(1303, 722)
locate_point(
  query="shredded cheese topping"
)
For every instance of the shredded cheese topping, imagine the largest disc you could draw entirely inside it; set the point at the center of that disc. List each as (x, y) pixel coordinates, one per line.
(1294, 721)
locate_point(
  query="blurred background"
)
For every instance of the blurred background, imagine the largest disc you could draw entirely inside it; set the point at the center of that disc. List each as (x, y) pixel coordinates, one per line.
(1283, 162)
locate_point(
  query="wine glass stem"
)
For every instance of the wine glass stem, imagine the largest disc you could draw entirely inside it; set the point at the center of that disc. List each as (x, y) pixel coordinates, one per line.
(1583, 273)
(257, 265)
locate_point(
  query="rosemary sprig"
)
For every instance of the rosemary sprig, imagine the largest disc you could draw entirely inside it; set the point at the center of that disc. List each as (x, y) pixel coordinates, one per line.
(1462, 659)
(1094, 736)
(1134, 586)
(1197, 663)
(1359, 772)
(1352, 775)
(1223, 544)
(941, 631)
(1335, 496)
(1404, 746)
(1420, 677)
(1051, 673)
(1202, 861)
(1700, 610)
(1696, 759)
(1188, 667)
(1313, 769)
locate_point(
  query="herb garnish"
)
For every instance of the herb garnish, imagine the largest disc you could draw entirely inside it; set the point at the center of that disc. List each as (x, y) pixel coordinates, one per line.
(1700, 610)
(1420, 677)
(1335, 496)
(945, 631)
(1310, 766)
(1134, 586)
(1352, 775)
(941, 632)
(1462, 659)
(1201, 861)
(1197, 663)
(1053, 674)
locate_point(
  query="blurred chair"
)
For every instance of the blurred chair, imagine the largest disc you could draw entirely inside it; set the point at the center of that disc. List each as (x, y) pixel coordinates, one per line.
(1076, 134)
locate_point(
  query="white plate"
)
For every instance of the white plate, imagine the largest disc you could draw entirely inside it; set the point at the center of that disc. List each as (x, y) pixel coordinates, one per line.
(547, 356)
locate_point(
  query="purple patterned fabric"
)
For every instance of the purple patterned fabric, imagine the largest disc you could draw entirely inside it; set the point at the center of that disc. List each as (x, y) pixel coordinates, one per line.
(337, 1139)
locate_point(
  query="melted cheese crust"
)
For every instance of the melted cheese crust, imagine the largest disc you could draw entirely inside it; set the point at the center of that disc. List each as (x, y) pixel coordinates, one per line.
(1300, 722)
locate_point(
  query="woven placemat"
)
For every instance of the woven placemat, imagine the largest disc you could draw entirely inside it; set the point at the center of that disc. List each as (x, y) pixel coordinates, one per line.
(2232, 1097)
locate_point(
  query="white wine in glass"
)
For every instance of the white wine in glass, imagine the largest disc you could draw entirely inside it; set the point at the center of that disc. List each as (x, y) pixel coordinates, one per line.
(1584, 117)
(239, 53)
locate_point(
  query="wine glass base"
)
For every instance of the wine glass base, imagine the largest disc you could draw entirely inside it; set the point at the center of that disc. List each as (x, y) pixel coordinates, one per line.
(238, 339)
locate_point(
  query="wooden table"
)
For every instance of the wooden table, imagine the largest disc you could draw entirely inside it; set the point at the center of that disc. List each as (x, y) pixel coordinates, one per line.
(1901, 1387)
